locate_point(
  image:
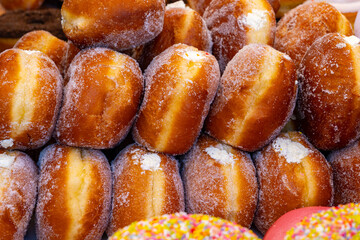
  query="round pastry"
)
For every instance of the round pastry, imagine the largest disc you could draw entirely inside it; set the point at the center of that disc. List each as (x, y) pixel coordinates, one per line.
(116, 24)
(289, 220)
(18, 181)
(21, 4)
(100, 100)
(185, 227)
(181, 25)
(180, 85)
(30, 96)
(236, 23)
(286, 6)
(255, 100)
(291, 174)
(345, 164)
(299, 29)
(220, 181)
(329, 92)
(341, 222)
(44, 42)
(74, 194)
(146, 184)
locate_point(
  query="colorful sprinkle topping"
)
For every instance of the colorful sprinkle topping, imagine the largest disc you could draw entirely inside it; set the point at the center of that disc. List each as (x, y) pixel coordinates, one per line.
(183, 226)
(342, 222)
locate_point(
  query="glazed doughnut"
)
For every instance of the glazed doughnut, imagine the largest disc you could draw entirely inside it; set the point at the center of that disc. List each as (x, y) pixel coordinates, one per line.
(236, 23)
(299, 29)
(146, 184)
(18, 181)
(291, 174)
(115, 24)
(74, 194)
(44, 42)
(181, 25)
(345, 164)
(21, 4)
(180, 85)
(329, 92)
(185, 227)
(220, 181)
(286, 6)
(30, 96)
(255, 100)
(100, 100)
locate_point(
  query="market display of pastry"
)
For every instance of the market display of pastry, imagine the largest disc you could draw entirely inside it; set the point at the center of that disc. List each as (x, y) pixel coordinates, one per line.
(144, 108)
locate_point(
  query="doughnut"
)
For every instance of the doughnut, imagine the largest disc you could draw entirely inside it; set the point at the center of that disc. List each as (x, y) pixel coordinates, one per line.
(146, 184)
(185, 227)
(100, 100)
(180, 85)
(44, 42)
(299, 29)
(286, 6)
(21, 4)
(181, 25)
(220, 181)
(18, 181)
(30, 96)
(328, 96)
(115, 24)
(255, 100)
(74, 194)
(341, 222)
(291, 174)
(236, 23)
(345, 164)
(288, 220)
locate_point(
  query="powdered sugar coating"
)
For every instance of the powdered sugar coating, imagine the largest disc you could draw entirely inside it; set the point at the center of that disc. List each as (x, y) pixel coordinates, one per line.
(292, 151)
(220, 155)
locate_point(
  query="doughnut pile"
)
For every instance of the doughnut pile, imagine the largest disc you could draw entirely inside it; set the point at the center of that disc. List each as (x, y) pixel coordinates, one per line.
(183, 226)
(240, 110)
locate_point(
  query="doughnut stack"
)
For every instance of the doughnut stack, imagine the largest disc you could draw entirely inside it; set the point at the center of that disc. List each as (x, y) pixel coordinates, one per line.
(191, 120)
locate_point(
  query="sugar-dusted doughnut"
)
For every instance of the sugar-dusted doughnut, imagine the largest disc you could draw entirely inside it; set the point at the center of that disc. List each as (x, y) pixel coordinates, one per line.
(291, 174)
(44, 42)
(21, 4)
(345, 164)
(116, 24)
(74, 199)
(30, 95)
(184, 226)
(181, 25)
(328, 111)
(220, 181)
(256, 98)
(100, 100)
(236, 23)
(18, 181)
(146, 184)
(180, 85)
(299, 29)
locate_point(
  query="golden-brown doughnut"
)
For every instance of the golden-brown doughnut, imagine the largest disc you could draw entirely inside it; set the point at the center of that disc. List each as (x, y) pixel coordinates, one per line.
(236, 23)
(30, 96)
(299, 29)
(181, 25)
(180, 85)
(146, 184)
(220, 180)
(100, 100)
(116, 24)
(345, 164)
(329, 95)
(74, 194)
(21, 4)
(18, 188)
(255, 100)
(291, 174)
(44, 42)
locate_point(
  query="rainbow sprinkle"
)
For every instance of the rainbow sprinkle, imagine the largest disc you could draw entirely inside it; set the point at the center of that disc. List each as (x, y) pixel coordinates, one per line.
(183, 226)
(342, 222)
